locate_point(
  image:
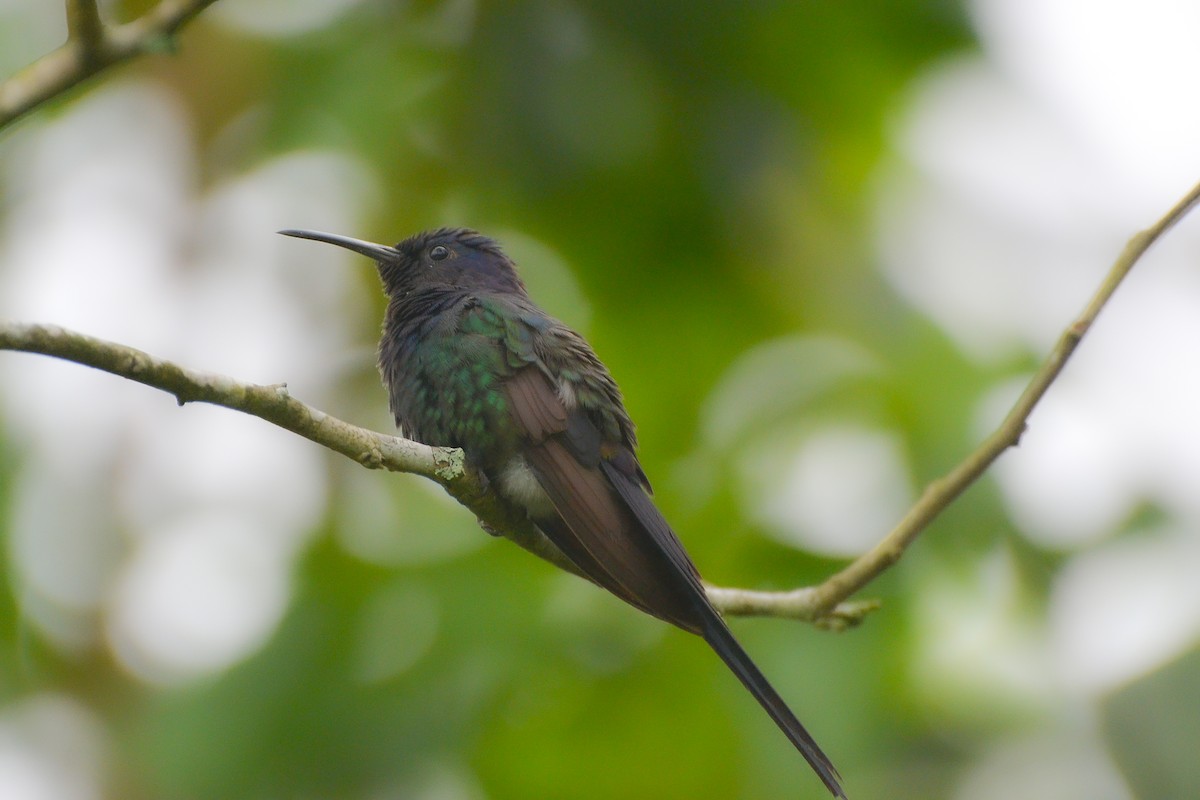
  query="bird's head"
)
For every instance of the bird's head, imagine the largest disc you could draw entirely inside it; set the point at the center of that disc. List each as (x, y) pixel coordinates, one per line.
(447, 257)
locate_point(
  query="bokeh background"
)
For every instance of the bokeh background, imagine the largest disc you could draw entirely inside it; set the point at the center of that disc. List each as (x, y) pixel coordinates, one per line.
(821, 245)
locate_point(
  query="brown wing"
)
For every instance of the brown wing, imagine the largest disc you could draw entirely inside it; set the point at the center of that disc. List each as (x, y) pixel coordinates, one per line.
(595, 526)
(608, 526)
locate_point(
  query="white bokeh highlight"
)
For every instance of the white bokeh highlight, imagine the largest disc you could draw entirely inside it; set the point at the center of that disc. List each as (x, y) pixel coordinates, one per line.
(1120, 610)
(978, 648)
(836, 494)
(171, 531)
(197, 596)
(1020, 175)
(1011, 207)
(51, 748)
(1066, 764)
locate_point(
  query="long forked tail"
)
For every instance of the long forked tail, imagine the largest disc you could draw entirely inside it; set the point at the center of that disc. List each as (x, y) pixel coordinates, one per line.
(720, 639)
(648, 527)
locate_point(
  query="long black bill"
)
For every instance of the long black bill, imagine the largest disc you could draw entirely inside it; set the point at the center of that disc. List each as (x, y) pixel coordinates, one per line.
(377, 252)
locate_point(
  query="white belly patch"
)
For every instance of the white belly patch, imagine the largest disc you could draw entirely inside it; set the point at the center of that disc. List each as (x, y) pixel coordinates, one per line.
(520, 485)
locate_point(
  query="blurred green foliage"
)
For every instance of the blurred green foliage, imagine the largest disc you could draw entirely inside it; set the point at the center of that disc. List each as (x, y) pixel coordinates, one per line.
(701, 168)
(704, 169)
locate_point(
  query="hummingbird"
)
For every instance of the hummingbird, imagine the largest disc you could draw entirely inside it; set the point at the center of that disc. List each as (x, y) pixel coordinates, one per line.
(470, 361)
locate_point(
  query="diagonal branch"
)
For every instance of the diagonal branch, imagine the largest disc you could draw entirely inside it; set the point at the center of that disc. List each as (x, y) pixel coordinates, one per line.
(92, 46)
(943, 491)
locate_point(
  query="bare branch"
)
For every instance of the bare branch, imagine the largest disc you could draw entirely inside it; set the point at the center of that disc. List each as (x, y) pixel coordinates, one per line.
(943, 491)
(801, 604)
(92, 46)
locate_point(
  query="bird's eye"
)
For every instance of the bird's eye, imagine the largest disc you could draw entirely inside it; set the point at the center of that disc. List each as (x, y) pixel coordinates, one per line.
(440, 252)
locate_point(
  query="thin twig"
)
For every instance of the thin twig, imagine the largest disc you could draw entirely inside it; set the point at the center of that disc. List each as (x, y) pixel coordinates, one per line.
(91, 47)
(941, 492)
